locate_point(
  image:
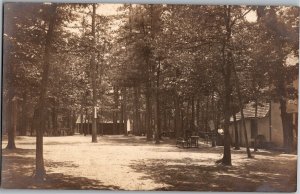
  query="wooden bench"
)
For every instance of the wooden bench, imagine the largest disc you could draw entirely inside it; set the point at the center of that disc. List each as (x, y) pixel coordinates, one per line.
(181, 142)
(194, 141)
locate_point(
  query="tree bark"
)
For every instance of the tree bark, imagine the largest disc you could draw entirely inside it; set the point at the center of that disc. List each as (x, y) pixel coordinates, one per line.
(12, 113)
(81, 121)
(207, 114)
(115, 111)
(236, 133)
(93, 76)
(282, 93)
(177, 117)
(242, 111)
(41, 106)
(213, 115)
(158, 119)
(124, 110)
(193, 115)
(148, 111)
(70, 122)
(198, 113)
(8, 82)
(54, 117)
(287, 131)
(227, 143)
(24, 118)
(136, 111)
(226, 69)
(165, 120)
(256, 125)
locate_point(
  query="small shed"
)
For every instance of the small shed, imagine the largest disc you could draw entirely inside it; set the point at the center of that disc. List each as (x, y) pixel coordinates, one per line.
(84, 126)
(269, 126)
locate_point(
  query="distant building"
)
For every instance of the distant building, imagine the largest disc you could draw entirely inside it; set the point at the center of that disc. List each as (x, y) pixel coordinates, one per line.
(269, 124)
(104, 127)
(264, 124)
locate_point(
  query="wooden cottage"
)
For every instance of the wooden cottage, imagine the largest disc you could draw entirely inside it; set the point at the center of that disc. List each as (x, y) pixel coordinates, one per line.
(269, 125)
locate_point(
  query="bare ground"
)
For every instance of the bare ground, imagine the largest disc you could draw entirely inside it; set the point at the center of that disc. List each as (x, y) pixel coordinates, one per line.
(131, 163)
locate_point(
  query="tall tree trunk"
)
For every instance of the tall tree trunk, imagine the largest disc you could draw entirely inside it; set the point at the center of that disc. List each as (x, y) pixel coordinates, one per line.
(33, 122)
(148, 111)
(177, 117)
(193, 115)
(181, 125)
(70, 123)
(101, 120)
(86, 123)
(226, 71)
(122, 115)
(115, 118)
(8, 113)
(241, 109)
(48, 122)
(81, 121)
(213, 119)
(256, 125)
(136, 111)
(198, 114)
(41, 106)
(169, 122)
(202, 116)
(287, 130)
(144, 124)
(54, 118)
(158, 119)
(227, 143)
(115, 111)
(12, 124)
(236, 133)
(93, 77)
(165, 118)
(24, 118)
(124, 110)
(207, 114)
(281, 91)
(236, 130)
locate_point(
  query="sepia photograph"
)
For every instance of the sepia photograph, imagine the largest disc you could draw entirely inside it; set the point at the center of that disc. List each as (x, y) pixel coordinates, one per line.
(149, 97)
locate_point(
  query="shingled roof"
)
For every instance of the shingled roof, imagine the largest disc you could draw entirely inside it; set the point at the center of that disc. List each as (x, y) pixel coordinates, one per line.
(249, 111)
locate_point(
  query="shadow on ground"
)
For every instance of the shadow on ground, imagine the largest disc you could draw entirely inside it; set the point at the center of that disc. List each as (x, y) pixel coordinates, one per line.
(18, 168)
(133, 140)
(192, 175)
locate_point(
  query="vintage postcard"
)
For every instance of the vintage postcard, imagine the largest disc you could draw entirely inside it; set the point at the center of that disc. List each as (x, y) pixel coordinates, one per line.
(150, 97)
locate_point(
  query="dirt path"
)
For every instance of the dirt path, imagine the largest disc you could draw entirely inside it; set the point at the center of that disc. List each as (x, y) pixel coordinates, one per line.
(130, 163)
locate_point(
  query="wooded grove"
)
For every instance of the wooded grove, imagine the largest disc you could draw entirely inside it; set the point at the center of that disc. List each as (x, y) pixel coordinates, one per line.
(151, 70)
